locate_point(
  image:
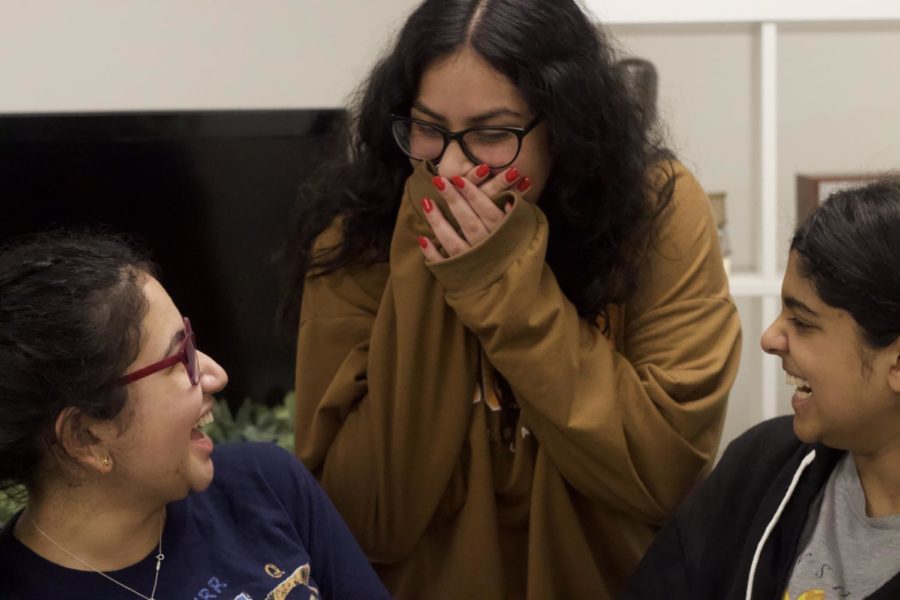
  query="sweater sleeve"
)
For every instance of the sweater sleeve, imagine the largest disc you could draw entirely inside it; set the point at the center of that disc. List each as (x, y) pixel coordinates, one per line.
(383, 402)
(632, 426)
(336, 317)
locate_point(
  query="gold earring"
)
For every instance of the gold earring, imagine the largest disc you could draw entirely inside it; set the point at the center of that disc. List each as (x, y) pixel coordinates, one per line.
(106, 461)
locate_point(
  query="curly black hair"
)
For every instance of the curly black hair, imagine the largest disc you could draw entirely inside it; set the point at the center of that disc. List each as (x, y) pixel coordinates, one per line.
(611, 176)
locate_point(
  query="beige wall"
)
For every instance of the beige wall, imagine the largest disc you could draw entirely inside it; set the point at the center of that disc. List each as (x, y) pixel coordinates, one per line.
(707, 98)
(91, 55)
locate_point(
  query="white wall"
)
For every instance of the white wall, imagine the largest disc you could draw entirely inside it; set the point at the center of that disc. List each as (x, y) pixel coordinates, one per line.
(100, 55)
(735, 11)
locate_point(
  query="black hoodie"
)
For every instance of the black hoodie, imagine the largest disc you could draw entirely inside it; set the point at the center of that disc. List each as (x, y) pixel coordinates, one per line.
(707, 549)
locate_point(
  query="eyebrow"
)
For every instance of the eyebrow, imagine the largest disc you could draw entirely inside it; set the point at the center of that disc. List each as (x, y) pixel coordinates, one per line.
(176, 339)
(480, 118)
(795, 304)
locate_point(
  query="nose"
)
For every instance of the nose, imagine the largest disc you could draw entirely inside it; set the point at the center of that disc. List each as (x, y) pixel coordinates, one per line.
(213, 377)
(454, 161)
(774, 339)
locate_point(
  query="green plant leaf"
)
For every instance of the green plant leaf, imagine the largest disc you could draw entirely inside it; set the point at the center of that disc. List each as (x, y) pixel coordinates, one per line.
(11, 502)
(254, 422)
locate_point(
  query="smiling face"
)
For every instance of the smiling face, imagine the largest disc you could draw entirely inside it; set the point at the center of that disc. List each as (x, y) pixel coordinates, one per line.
(847, 393)
(161, 454)
(463, 91)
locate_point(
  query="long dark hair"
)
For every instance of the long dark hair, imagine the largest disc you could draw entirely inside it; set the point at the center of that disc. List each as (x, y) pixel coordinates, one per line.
(849, 248)
(602, 196)
(71, 307)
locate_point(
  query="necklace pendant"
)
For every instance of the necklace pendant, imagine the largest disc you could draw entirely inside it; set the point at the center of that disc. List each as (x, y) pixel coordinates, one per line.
(159, 558)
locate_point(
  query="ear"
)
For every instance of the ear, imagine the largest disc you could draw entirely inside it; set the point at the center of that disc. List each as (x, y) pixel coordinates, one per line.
(86, 439)
(894, 369)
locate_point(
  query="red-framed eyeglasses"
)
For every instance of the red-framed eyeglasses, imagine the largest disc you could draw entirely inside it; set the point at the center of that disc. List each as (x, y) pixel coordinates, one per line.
(186, 353)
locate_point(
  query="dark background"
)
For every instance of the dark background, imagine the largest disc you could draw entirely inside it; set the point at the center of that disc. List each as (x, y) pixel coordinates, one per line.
(208, 192)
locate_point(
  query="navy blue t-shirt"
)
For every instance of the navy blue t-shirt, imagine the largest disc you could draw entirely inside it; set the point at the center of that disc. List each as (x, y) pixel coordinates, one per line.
(263, 529)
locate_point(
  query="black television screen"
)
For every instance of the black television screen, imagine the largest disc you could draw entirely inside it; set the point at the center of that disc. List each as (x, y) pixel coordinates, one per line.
(208, 192)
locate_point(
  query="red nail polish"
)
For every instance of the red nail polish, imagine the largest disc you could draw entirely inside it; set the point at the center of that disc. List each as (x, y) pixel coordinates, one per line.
(524, 184)
(423, 242)
(458, 181)
(427, 205)
(482, 170)
(439, 183)
(512, 175)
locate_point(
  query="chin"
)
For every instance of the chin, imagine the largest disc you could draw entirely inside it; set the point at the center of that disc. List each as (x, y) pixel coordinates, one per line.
(203, 477)
(804, 432)
(201, 487)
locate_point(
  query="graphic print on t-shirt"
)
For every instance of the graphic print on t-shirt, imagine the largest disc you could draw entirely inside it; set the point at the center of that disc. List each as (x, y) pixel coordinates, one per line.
(298, 580)
(295, 586)
(815, 594)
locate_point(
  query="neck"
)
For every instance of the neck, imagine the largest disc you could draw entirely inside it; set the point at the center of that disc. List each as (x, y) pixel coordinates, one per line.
(879, 474)
(104, 536)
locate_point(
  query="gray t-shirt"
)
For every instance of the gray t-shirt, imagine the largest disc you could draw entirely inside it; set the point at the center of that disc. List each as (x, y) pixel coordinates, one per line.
(845, 554)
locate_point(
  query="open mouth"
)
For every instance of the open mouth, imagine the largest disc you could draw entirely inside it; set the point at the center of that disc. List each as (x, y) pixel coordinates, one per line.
(803, 388)
(204, 420)
(197, 434)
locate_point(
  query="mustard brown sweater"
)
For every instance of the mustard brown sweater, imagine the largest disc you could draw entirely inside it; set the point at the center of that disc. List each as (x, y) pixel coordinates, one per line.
(394, 404)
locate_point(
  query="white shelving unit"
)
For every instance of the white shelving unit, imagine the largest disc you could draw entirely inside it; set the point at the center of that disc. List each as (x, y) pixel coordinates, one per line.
(764, 16)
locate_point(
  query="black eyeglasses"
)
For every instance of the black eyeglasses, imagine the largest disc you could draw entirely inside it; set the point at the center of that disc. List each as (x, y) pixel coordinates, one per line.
(186, 353)
(497, 147)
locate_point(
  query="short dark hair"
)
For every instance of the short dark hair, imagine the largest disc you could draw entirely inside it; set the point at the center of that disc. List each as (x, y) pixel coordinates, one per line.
(71, 307)
(850, 249)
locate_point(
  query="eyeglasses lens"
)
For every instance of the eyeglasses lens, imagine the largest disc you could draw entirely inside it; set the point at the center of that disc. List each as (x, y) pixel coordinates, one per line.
(193, 368)
(494, 147)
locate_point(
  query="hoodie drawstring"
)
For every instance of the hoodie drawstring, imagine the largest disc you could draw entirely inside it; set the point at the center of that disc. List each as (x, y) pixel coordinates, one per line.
(765, 536)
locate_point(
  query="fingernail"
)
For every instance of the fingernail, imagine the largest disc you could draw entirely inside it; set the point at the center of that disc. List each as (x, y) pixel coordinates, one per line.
(482, 170)
(458, 181)
(439, 183)
(509, 206)
(524, 184)
(512, 175)
(427, 205)
(423, 242)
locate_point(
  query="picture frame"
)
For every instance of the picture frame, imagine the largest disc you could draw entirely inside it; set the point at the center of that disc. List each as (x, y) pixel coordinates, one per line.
(813, 190)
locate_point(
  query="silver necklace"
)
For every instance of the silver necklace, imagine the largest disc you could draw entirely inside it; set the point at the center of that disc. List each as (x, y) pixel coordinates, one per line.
(159, 558)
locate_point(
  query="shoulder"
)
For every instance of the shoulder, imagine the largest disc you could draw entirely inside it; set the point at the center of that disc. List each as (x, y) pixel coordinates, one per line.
(260, 461)
(331, 237)
(246, 454)
(682, 259)
(765, 448)
(359, 284)
(755, 466)
(672, 173)
(685, 210)
(775, 434)
(8, 546)
(757, 463)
